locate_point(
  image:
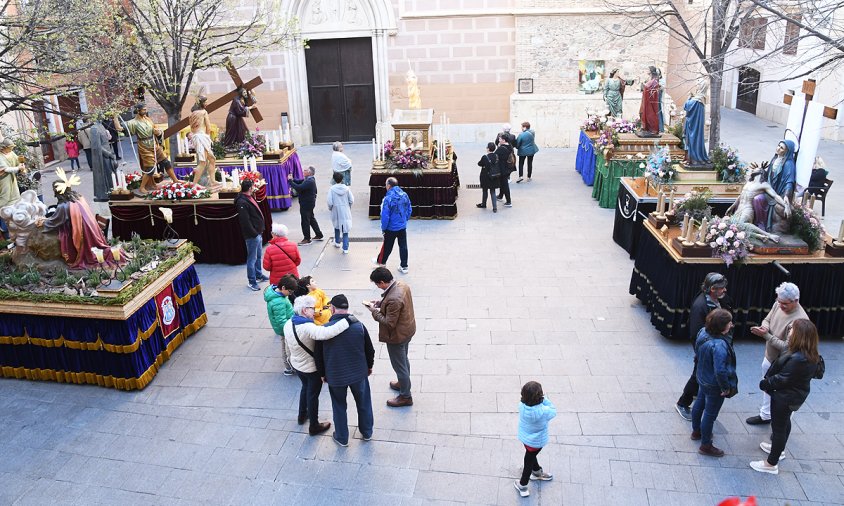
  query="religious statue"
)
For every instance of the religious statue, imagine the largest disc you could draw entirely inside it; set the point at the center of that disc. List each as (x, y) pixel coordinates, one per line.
(744, 210)
(614, 93)
(9, 167)
(150, 152)
(649, 110)
(200, 125)
(695, 108)
(31, 244)
(413, 98)
(102, 160)
(235, 121)
(781, 174)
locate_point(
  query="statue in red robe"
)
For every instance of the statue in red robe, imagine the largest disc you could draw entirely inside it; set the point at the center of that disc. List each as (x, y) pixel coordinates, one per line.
(649, 110)
(77, 229)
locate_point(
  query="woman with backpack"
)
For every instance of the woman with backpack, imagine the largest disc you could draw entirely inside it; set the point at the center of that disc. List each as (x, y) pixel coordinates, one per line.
(489, 176)
(506, 165)
(787, 382)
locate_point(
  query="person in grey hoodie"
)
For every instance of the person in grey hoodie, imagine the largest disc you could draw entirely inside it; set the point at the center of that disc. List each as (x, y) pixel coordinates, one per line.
(340, 200)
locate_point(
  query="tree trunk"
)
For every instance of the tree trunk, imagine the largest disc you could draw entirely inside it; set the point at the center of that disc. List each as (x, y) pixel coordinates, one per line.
(173, 117)
(715, 83)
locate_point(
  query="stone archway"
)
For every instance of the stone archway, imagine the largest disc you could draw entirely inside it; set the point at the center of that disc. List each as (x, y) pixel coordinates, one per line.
(337, 19)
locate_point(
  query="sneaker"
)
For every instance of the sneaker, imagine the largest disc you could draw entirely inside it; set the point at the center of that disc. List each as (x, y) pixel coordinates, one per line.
(757, 420)
(684, 411)
(541, 475)
(345, 252)
(507, 204)
(764, 467)
(334, 437)
(523, 490)
(375, 261)
(480, 206)
(319, 238)
(494, 210)
(254, 287)
(304, 242)
(519, 180)
(288, 372)
(529, 180)
(261, 277)
(366, 438)
(501, 198)
(404, 270)
(766, 447)
(710, 451)
(337, 244)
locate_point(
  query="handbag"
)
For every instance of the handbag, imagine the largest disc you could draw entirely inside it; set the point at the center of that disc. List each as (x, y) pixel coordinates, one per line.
(819, 372)
(493, 166)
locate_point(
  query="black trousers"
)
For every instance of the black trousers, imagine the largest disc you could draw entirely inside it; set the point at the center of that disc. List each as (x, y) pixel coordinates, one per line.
(309, 396)
(522, 164)
(504, 188)
(390, 237)
(690, 390)
(780, 429)
(88, 158)
(308, 221)
(491, 192)
(531, 464)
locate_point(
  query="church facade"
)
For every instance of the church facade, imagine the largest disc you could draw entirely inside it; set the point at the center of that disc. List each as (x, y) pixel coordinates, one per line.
(481, 62)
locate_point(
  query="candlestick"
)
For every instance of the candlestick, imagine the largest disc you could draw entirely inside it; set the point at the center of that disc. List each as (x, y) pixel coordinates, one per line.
(113, 181)
(841, 232)
(671, 200)
(685, 234)
(98, 253)
(374, 152)
(701, 232)
(253, 164)
(812, 202)
(803, 199)
(660, 198)
(115, 253)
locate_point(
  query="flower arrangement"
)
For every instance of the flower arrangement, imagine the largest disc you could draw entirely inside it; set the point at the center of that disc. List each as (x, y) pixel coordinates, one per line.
(695, 204)
(255, 177)
(252, 145)
(727, 240)
(179, 190)
(592, 123)
(407, 159)
(729, 168)
(806, 225)
(659, 167)
(622, 126)
(133, 180)
(607, 137)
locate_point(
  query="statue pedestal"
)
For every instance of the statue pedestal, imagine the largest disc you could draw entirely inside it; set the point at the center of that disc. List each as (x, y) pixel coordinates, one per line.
(788, 245)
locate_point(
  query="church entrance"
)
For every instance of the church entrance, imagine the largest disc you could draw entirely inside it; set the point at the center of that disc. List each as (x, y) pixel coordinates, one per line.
(748, 90)
(341, 87)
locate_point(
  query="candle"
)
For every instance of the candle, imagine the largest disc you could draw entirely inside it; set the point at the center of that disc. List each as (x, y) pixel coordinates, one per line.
(671, 200)
(659, 201)
(245, 164)
(115, 253)
(812, 202)
(701, 233)
(122, 179)
(236, 176)
(841, 232)
(685, 235)
(803, 199)
(253, 164)
(113, 181)
(374, 151)
(98, 252)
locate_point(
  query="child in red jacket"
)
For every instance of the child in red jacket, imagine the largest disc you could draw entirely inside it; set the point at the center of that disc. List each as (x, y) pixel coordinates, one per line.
(72, 149)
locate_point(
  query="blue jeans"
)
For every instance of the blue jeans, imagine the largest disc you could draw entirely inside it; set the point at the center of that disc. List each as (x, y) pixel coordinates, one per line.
(253, 259)
(347, 178)
(345, 238)
(309, 396)
(363, 401)
(705, 411)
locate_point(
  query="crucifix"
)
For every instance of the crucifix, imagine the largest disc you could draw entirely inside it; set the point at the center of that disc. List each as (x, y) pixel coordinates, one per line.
(805, 118)
(225, 99)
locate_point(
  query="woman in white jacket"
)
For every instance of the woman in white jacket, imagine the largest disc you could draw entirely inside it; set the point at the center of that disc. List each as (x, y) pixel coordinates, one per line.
(301, 334)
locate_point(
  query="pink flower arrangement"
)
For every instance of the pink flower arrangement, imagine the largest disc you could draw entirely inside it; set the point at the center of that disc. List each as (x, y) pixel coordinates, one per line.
(180, 190)
(408, 159)
(728, 240)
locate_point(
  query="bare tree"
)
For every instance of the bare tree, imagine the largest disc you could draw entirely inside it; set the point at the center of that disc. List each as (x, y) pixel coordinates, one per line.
(708, 32)
(58, 47)
(176, 38)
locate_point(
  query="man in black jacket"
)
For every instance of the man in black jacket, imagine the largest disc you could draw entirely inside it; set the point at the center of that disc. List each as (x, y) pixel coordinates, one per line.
(713, 295)
(345, 362)
(307, 190)
(503, 152)
(252, 227)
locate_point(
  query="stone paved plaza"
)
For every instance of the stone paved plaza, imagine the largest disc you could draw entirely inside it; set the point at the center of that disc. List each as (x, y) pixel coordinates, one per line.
(535, 292)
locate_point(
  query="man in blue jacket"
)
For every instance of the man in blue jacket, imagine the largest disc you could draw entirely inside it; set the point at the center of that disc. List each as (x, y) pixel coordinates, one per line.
(307, 190)
(395, 211)
(345, 362)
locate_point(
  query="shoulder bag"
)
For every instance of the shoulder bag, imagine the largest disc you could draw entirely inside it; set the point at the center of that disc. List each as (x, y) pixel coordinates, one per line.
(301, 344)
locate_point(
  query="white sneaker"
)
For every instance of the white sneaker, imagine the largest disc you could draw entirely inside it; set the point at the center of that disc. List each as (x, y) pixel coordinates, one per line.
(336, 244)
(766, 447)
(345, 252)
(523, 491)
(404, 270)
(763, 467)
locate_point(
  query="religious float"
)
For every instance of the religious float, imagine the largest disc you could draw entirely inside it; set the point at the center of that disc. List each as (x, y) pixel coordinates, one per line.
(78, 309)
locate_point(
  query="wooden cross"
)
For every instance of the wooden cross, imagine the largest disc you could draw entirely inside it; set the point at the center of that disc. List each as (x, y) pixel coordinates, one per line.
(225, 99)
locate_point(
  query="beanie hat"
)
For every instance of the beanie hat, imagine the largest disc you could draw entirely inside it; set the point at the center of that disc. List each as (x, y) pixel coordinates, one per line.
(340, 301)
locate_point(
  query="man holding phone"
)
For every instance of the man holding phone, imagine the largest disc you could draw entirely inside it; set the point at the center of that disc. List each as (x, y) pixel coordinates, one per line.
(396, 326)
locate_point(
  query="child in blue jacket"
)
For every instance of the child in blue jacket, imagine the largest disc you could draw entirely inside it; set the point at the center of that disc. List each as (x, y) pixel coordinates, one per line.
(535, 411)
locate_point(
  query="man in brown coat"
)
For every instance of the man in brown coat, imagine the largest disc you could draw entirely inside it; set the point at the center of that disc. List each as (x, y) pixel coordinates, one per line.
(396, 326)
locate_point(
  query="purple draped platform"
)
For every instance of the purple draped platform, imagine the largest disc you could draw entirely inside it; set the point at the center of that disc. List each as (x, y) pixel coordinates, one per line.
(275, 174)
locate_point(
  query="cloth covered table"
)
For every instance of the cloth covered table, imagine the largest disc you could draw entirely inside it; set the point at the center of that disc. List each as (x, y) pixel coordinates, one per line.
(585, 161)
(274, 172)
(433, 194)
(667, 287)
(121, 354)
(632, 209)
(210, 224)
(607, 174)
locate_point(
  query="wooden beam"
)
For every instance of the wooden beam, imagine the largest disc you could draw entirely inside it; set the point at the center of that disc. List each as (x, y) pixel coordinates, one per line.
(216, 104)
